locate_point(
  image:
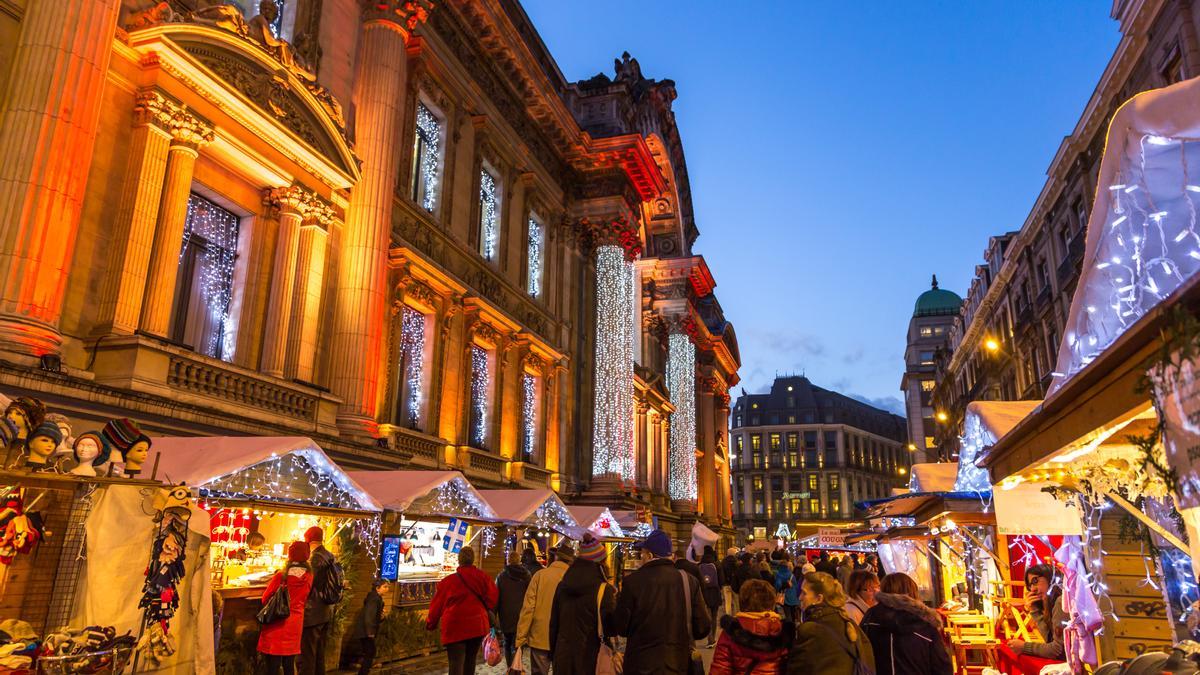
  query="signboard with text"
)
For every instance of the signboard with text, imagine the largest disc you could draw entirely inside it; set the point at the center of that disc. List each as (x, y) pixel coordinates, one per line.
(831, 537)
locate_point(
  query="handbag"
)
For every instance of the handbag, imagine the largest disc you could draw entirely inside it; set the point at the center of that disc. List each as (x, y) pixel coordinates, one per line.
(492, 653)
(277, 607)
(695, 661)
(609, 661)
(493, 617)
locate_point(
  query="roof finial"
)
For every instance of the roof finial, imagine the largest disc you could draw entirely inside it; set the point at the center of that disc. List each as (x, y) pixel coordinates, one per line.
(935, 282)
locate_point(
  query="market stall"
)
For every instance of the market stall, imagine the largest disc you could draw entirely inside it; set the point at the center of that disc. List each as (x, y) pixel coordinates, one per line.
(529, 518)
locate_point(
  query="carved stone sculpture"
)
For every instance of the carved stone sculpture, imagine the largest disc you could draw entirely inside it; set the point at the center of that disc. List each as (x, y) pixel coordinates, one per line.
(260, 31)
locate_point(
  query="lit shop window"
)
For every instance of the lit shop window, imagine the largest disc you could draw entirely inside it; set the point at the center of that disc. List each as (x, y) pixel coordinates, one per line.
(204, 288)
(427, 158)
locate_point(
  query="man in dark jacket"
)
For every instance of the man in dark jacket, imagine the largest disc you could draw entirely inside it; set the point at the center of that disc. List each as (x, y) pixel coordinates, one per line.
(512, 581)
(906, 637)
(317, 614)
(826, 564)
(728, 569)
(744, 572)
(366, 626)
(653, 612)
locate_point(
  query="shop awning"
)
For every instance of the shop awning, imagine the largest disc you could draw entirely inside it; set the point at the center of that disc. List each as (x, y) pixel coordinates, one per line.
(596, 519)
(425, 493)
(932, 477)
(985, 423)
(279, 469)
(532, 508)
(923, 505)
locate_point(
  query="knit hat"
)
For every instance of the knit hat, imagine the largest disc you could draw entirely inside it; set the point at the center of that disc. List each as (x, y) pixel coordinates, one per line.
(590, 548)
(8, 431)
(105, 448)
(49, 430)
(314, 533)
(564, 552)
(298, 552)
(35, 410)
(122, 433)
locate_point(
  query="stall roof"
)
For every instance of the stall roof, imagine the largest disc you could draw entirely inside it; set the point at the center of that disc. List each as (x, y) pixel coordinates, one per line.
(985, 423)
(247, 467)
(530, 507)
(914, 503)
(425, 493)
(589, 516)
(932, 477)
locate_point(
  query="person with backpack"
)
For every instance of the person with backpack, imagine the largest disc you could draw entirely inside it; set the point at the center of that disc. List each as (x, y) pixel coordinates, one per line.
(711, 581)
(328, 583)
(904, 633)
(785, 584)
(279, 642)
(756, 640)
(828, 642)
(728, 569)
(460, 608)
(583, 607)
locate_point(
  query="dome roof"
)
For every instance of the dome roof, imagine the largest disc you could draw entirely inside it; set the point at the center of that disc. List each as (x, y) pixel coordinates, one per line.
(937, 302)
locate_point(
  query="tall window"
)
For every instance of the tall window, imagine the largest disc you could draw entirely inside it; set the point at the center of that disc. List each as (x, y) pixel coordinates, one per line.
(412, 368)
(835, 506)
(481, 384)
(534, 257)
(204, 287)
(793, 440)
(489, 215)
(773, 440)
(427, 158)
(755, 441)
(529, 415)
(812, 482)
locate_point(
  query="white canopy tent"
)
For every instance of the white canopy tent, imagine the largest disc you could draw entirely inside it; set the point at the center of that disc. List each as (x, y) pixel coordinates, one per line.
(985, 423)
(425, 493)
(262, 468)
(596, 519)
(532, 508)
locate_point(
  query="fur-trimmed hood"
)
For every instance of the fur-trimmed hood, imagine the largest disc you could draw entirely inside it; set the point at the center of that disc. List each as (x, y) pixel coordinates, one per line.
(899, 613)
(758, 631)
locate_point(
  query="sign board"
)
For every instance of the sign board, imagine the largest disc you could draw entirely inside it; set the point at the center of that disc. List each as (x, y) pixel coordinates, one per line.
(1026, 509)
(456, 535)
(831, 537)
(389, 557)
(1179, 397)
(796, 495)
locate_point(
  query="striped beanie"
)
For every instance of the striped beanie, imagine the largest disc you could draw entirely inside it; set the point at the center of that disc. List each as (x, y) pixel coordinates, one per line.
(122, 433)
(8, 432)
(590, 548)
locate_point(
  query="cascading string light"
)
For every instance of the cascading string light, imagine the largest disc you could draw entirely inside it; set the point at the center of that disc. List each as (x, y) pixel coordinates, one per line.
(975, 437)
(480, 384)
(681, 383)
(612, 436)
(528, 416)
(489, 215)
(428, 152)
(534, 257)
(412, 355)
(210, 234)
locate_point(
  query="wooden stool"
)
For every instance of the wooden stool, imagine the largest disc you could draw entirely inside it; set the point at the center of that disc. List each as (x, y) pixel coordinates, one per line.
(972, 634)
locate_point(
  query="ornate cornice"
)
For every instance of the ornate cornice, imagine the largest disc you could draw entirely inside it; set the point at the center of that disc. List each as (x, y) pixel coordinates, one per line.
(403, 14)
(617, 231)
(153, 108)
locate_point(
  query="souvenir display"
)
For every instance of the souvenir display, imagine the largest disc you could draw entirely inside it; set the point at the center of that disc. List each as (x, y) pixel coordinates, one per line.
(91, 451)
(130, 446)
(21, 530)
(160, 595)
(43, 441)
(27, 413)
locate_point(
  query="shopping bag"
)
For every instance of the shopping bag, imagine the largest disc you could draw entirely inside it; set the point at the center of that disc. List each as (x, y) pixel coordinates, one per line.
(518, 663)
(277, 607)
(492, 653)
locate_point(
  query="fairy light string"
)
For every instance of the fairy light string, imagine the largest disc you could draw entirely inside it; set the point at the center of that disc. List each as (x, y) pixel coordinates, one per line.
(681, 383)
(412, 347)
(480, 384)
(428, 151)
(489, 215)
(210, 236)
(534, 257)
(612, 436)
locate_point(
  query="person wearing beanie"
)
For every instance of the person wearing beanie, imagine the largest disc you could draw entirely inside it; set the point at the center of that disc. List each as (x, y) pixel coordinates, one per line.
(574, 623)
(279, 642)
(661, 610)
(533, 628)
(318, 614)
(42, 443)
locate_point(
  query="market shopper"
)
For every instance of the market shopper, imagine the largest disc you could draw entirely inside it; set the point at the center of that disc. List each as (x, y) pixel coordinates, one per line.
(745, 572)
(729, 566)
(756, 640)
(366, 624)
(512, 582)
(318, 613)
(661, 611)
(574, 623)
(1043, 598)
(860, 593)
(844, 569)
(827, 642)
(785, 584)
(529, 561)
(905, 635)
(533, 627)
(279, 642)
(826, 564)
(460, 608)
(711, 583)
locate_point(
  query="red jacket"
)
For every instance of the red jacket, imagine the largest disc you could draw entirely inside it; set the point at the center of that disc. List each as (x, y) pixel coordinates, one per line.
(282, 638)
(753, 643)
(456, 605)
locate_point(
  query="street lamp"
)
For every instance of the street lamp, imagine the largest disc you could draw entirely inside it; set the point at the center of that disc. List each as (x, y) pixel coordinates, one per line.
(942, 416)
(912, 447)
(902, 471)
(992, 345)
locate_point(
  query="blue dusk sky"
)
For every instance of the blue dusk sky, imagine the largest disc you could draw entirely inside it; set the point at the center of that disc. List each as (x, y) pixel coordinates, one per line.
(842, 152)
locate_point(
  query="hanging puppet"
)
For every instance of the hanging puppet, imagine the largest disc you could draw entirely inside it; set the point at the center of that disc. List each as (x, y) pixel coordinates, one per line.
(20, 530)
(160, 593)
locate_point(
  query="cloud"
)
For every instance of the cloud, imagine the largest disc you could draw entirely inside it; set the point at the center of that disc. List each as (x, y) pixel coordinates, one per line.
(891, 404)
(786, 343)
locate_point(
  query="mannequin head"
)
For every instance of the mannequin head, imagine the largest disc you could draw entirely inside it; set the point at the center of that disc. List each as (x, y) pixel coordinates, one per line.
(64, 427)
(26, 413)
(136, 455)
(90, 451)
(42, 442)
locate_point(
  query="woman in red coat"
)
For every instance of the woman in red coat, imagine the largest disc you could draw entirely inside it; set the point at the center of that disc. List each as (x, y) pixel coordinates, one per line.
(460, 606)
(279, 642)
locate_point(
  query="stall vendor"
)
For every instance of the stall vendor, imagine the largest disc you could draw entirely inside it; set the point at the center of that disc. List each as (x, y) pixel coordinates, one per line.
(1043, 597)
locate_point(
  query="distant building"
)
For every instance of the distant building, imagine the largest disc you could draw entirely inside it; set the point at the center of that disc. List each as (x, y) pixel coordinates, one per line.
(802, 456)
(928, 333)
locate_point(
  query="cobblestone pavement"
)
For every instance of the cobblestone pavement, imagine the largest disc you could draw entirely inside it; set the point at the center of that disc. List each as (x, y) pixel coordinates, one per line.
(437, 666)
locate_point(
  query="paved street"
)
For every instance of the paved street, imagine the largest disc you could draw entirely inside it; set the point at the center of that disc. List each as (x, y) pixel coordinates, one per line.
(438, 667)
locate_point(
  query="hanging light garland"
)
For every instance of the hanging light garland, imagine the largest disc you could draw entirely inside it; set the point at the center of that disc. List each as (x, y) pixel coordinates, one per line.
(528, 416)
(974, 439)
(412, 348)
(489, 215)
(681, 383)
(429, 152)
(612, 436)
(456, 498)
(480, 384)
(534, 256)
(300, 477)
(213, 233)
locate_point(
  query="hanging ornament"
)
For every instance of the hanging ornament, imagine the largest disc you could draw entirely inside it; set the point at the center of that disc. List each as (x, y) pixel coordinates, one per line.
(160, 593)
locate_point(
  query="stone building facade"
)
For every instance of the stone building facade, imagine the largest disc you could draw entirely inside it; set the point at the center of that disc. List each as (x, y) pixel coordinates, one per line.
(804, 455)
(392, 226)
(1021, 293)
(929, 329)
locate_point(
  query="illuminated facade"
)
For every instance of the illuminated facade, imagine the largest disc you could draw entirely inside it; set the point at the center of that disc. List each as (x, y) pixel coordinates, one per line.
(213, 240)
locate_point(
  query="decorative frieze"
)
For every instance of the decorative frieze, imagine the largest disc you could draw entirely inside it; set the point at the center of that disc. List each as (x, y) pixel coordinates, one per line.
(617, 231)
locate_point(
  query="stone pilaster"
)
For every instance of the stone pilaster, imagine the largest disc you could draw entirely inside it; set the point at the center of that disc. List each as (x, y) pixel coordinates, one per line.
(188, 134)
(310, 280)
(379, 93)
(133, 228)
(283, 279)
(47, 131)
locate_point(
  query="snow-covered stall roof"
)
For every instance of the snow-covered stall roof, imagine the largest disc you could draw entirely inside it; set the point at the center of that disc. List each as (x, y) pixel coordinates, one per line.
(1143, 241)
(932, 477)
(597, 520)
(534, 508)
(425, 493)
(985, 423)
(263, 468)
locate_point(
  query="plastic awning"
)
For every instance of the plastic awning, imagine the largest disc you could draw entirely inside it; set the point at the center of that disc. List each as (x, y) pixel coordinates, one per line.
(596, 519)
(425, 493)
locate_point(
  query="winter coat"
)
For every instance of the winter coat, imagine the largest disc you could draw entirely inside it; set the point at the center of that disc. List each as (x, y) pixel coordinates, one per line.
(282, 638)
(843, 574)
(822, 643)
(1051, 628)
(512, 581)
(460, 605)
(317, 612)
(728, 567)
(744, 572)
(533, 627)
(689, 567)
(856, 608)
(574, 640)
(651, 612)
(752, 643)
(785, 583)
(366, 624)
(906, 637)
(827, 566)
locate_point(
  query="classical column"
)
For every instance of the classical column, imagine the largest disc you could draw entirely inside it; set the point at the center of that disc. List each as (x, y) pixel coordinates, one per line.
(188, 134)
(133, 227)
(379, 94)
(283, 279)
(643, 441)
(47, 132)
(309, 282)
(681, 383)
